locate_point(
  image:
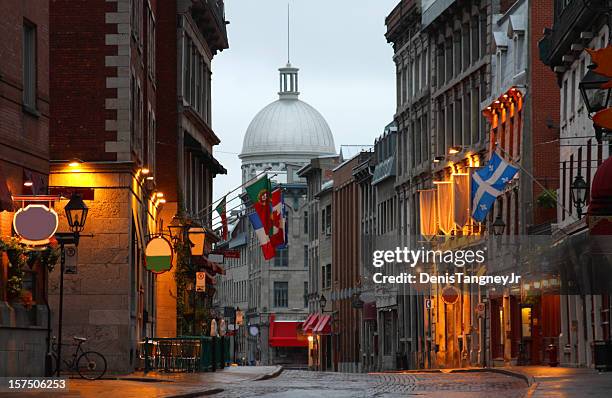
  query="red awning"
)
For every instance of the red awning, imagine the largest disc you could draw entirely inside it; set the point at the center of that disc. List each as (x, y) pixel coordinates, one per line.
(369, 311)
(310, 323)
(286, 334)
(323, 326)
(203, 261)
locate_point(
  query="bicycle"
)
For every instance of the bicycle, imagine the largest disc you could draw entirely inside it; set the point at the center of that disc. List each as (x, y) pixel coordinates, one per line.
(90, 365)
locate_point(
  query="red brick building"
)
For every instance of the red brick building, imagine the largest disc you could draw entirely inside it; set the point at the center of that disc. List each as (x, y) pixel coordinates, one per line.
(190, 34)
(103, 113)
(24, 169)
(345, 266)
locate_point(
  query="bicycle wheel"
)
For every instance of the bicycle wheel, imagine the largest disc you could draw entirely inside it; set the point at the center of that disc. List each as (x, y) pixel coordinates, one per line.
(91, 365)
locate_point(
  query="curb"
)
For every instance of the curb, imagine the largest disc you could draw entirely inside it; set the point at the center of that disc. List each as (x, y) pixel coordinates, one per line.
(201, 393)
(530, 380)
(409, 371)
(272, 375)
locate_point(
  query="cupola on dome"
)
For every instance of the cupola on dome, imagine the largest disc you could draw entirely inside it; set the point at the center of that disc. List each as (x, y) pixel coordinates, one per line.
(288, 125)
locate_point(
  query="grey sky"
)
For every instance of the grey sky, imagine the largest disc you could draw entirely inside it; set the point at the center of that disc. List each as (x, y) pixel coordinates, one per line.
(346, 69)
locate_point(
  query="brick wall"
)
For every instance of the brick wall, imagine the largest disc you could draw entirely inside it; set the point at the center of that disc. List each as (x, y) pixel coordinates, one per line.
(167, 104)
(25, 148)
(78, 79)
(345, 264)
(545, 105)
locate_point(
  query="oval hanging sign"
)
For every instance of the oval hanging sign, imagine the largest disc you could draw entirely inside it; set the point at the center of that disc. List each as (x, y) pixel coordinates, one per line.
(158, 255)
(35, 224)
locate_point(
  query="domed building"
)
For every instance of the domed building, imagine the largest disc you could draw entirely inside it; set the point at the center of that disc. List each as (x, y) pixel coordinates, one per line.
(282, 138)
(285, 134)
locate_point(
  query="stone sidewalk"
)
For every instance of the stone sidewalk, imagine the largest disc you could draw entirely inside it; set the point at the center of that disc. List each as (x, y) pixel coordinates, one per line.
(167, 385)
(565, 382)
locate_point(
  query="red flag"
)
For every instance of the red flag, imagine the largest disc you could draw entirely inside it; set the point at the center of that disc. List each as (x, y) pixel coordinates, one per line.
(278, 218)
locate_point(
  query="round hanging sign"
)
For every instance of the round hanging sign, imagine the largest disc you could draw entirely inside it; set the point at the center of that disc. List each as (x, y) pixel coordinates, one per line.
(450, 294)
(35, 224)
(253, 330)
(158, 255)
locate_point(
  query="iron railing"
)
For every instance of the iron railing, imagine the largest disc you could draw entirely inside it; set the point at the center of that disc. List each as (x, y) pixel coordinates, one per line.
(185, 354)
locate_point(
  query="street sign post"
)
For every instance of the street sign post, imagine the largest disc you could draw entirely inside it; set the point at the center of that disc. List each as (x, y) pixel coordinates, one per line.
(200, 282)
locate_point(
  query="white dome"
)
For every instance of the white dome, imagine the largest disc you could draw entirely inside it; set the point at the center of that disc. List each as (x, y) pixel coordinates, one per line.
(288, 126)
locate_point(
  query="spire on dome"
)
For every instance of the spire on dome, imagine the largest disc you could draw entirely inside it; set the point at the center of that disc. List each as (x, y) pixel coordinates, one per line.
(288, 74)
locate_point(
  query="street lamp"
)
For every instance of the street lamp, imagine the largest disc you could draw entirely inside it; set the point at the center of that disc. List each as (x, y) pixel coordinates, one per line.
(594, 94)
(498, 226)
(76, 214)
(579, 190)
(322, 302)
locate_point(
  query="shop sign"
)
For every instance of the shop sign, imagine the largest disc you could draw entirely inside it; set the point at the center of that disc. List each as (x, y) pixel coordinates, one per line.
(35, 224)
(216, 258)
(200, 282)
(71, 259)
(450, 294)
(158, 255)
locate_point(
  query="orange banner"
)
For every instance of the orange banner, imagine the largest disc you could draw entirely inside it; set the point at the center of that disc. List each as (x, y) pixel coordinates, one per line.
(428, 212)
(461, 199)
(445, 206)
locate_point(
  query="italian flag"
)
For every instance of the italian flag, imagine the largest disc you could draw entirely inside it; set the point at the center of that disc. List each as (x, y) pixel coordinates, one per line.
(221, 210)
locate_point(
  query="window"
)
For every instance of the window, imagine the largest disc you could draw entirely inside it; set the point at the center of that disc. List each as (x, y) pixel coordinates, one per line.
(151, 141)
(564, 102)
(305, 222)
(326, 276)
(305, 256)
(323, 220)
(29, 65)
(483, 33)
(282, 258)
(151, 44)
(328, 220)
(563, 189)
(281, 294)
(305, 294)
(475, 39)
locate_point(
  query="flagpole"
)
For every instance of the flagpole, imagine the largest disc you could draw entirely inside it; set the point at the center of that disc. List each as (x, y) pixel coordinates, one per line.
(234, 190)
(530, 176)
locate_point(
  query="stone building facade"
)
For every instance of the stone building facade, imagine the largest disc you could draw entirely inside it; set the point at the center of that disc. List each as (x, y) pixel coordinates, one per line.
(232, 289)
(24, 159)
(103, 97)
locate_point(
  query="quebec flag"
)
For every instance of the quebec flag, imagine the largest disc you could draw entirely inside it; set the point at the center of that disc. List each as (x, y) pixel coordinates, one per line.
(488, 183)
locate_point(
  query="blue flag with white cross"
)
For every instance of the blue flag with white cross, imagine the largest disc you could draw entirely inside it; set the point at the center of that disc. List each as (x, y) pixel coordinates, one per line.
(488, 183)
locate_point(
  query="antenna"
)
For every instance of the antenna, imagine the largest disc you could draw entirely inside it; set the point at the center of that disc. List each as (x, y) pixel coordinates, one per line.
(288, 37)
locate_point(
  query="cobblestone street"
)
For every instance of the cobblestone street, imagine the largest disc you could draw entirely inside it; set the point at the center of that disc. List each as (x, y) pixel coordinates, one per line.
(305, 384)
